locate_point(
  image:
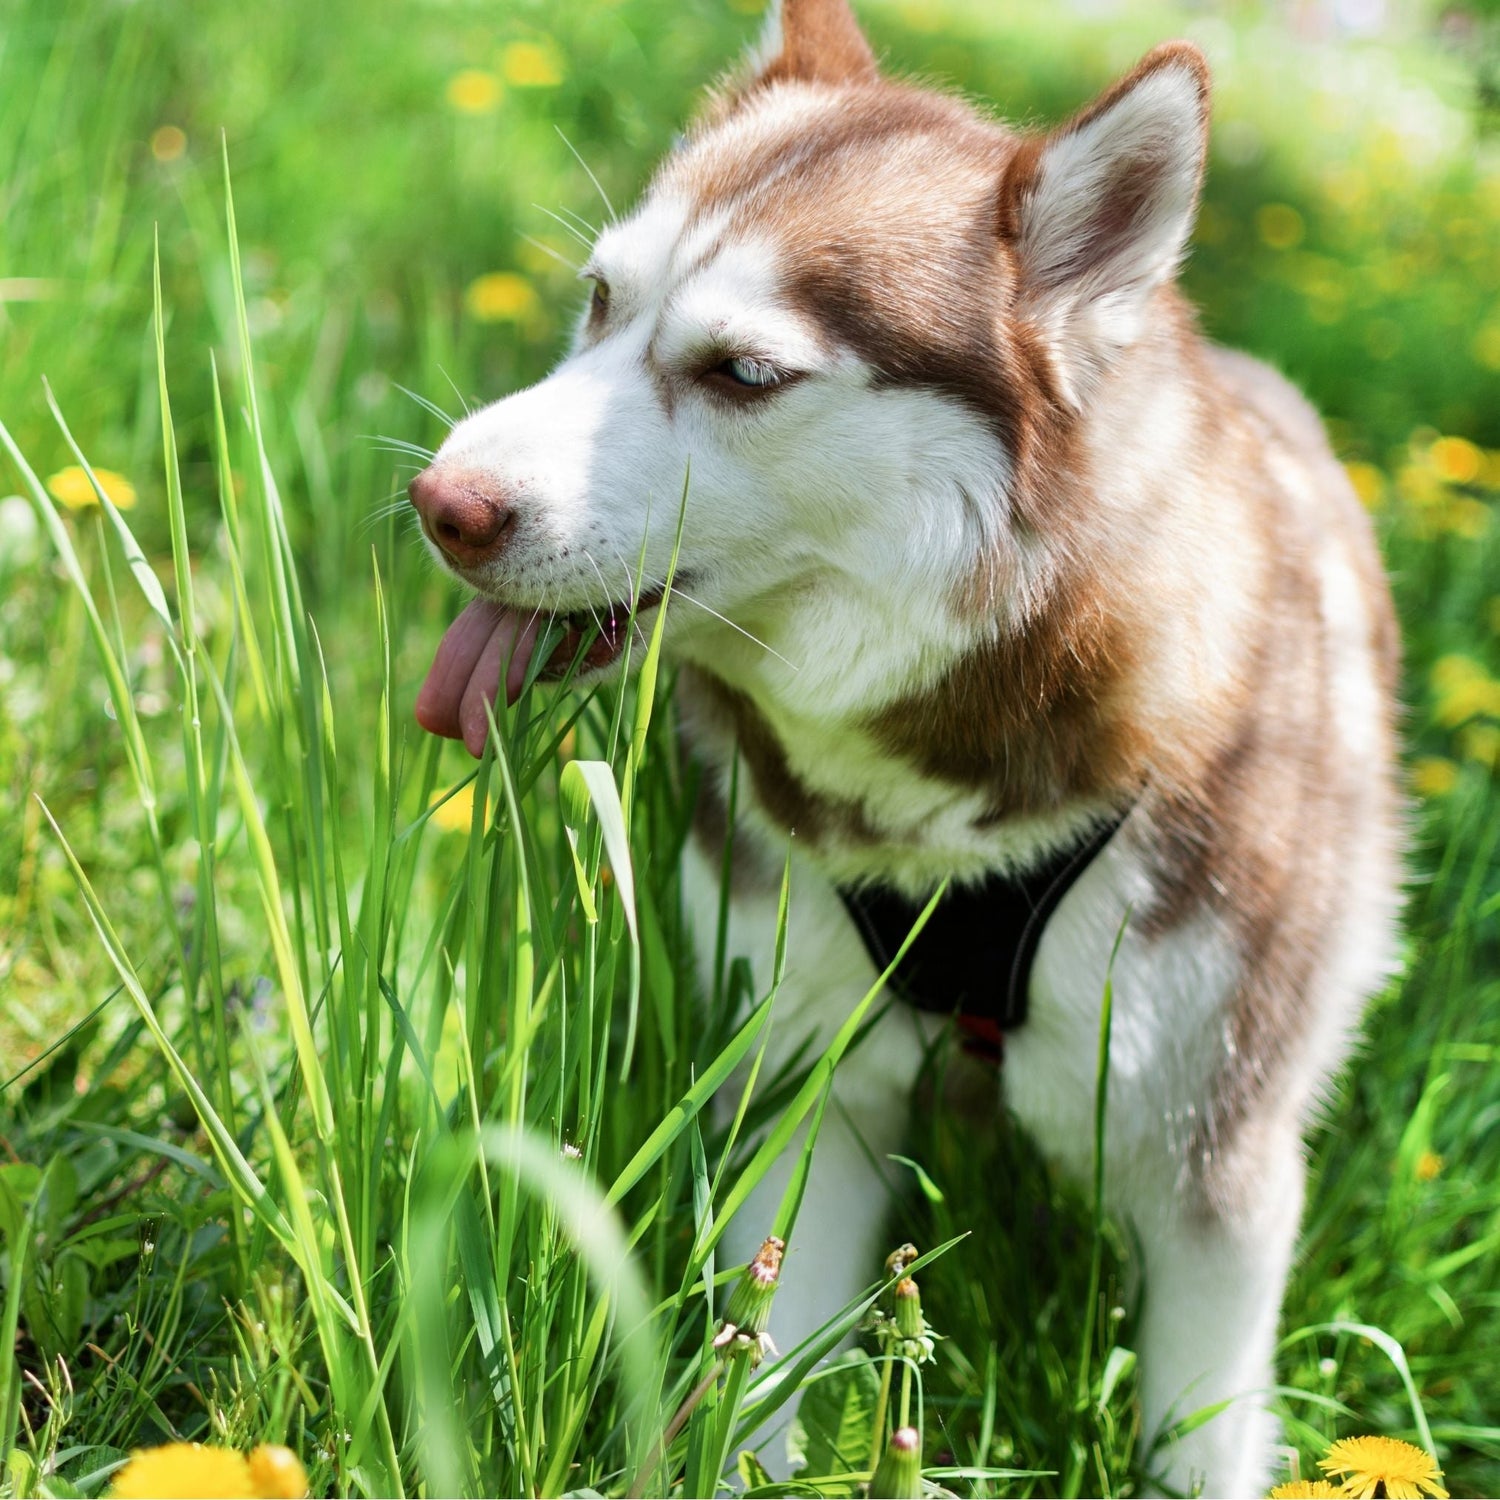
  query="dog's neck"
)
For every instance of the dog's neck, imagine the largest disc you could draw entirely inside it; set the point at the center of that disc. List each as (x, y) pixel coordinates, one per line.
(913, 739)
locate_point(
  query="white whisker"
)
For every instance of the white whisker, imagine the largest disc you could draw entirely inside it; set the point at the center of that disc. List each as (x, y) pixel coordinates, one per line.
(567, 228)
(428, 406)
(579, 220)
(399, 445)
(547, 249)
(598, 186)
(755, 640)
(462, 399)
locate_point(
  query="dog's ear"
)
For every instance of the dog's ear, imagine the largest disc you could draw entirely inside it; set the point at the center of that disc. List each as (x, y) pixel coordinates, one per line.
(1098, 213)
(814, 41)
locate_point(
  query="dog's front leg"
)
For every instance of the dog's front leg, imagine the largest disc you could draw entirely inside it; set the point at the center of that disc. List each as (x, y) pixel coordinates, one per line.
(836, 1249)
(1215, 1274)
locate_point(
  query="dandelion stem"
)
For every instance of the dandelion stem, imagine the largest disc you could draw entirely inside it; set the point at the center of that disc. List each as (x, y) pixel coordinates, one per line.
(659, 1448)
(882, 1401)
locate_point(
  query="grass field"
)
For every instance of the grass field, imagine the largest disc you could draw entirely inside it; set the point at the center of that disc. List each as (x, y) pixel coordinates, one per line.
(353, 1104)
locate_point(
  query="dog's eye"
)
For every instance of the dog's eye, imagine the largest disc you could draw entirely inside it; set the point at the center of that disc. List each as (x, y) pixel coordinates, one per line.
(755, 373)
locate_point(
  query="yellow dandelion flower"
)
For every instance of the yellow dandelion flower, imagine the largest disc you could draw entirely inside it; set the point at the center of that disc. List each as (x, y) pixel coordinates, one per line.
(1486, 345)
(276, 1473)
(456, 815)
(179, 1471)
(1368, 482)
(1464, 516)
(1481, 743)
(531, 65)
(1279, 226)
(1433, 776)
(1456, 459)
(71, 487)
(500, 297)
(1469, 701)
(168, 142)
(1464, 690)
(1455, 671)
(474, 92)
(1303, 1487)
(1429, 1164)
(1418, 484)
(1368, 1463)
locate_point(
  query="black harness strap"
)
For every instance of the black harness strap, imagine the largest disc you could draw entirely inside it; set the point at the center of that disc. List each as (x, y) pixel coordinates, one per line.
(973, 959)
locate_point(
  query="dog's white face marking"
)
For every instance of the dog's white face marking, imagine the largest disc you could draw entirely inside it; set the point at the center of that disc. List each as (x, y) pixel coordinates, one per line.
(827, 513)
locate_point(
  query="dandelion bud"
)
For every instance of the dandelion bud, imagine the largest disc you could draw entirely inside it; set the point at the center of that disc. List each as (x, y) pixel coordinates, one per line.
(909, 1321)
(749, 1310)
(750, 1305)
(898, 1260)
(898, 1476)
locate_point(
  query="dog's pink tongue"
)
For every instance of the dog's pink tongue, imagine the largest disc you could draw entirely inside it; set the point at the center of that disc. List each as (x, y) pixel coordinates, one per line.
(483, 641)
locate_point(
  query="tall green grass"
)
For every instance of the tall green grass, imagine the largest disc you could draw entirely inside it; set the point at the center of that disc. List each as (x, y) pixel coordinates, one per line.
(434, 1144)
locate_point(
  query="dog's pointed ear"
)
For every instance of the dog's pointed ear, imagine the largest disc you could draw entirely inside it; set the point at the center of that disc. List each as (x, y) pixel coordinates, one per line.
(814, 41)
(1098, 213)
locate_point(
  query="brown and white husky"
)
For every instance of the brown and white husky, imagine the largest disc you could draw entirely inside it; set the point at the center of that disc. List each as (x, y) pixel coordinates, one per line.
(994, 551)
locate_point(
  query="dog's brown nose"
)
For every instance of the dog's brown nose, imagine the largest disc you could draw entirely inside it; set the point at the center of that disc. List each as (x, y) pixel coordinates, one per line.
(465, 513)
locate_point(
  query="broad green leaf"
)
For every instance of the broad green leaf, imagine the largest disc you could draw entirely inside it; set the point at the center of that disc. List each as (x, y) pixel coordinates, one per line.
(832, 1429)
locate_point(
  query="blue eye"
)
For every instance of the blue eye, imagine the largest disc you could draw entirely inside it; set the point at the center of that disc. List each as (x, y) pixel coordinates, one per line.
(751, 372)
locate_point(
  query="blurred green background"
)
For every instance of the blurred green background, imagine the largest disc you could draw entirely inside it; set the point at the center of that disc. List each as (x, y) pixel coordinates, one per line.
(406, 175)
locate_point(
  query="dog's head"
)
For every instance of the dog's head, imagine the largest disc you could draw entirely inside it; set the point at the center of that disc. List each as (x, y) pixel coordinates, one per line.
(835, 337)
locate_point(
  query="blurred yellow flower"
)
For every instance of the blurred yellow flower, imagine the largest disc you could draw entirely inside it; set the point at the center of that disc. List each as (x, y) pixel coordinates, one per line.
(538, 258)
(1397, 1469)
(1481, 743)
(71, 487)
(1456, 459)
(531, 65)
(1464, 690)
(474, 92)
(1429, 1164)
(1463, 516)
(1368, 482)
(1279, 225)
(456, 815)
(191, 1469)
(1487, 346)
(168, 142)
(1299, 1488)
(501, 297)
(920, 15)
(276, 1473)
(1454, 671)
(1418, 484)
(1433, 776)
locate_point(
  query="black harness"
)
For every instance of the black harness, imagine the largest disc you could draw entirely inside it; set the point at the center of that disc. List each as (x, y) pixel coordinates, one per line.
(973, 959)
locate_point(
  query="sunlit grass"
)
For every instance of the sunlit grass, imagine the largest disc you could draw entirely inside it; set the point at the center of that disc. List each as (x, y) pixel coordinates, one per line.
(318, 1127)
